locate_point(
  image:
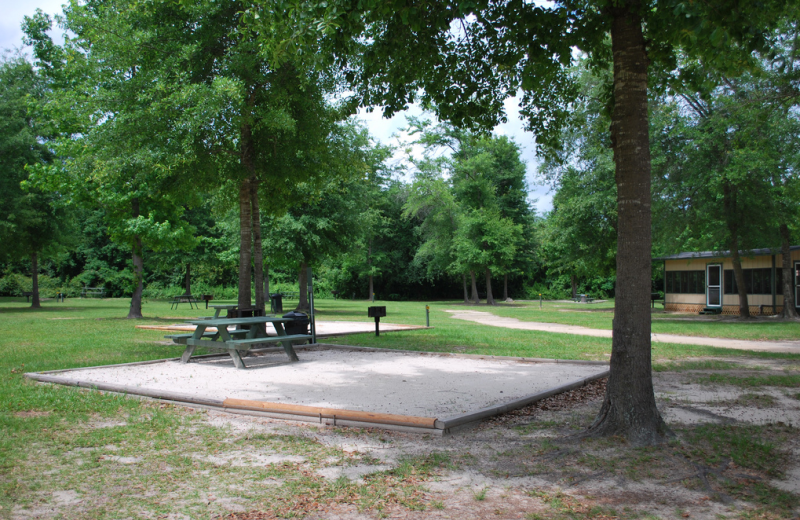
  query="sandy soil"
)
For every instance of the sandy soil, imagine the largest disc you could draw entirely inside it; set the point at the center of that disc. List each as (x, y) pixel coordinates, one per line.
(372, 381)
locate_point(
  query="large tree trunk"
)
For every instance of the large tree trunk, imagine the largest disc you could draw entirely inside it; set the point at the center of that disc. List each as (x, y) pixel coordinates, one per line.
(302, 293)
(629, 408)
(138, 269)
(35, 303)
(729, 203)
(789, 310)
(505, 287)
(371, 294)
(466, 295)
(245, 245)
(489, 297)
(475, 298)
(258, 253)
(187, 279)
(738, 273)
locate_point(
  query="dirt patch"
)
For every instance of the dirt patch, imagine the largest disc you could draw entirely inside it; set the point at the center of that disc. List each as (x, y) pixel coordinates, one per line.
(31, 413)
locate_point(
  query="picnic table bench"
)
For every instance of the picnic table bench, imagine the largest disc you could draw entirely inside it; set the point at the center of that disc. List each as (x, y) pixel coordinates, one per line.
(237, 342)
(89, 292)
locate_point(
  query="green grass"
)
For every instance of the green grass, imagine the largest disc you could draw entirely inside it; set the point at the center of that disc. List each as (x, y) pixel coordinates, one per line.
(600, 315)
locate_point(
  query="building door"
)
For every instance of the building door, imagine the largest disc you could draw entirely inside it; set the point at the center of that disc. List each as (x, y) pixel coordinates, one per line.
(796, 284)
(714, 285)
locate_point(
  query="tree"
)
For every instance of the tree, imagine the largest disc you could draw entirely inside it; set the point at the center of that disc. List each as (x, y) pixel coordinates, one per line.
(579, 235)
(501, 47)
(32, 222)
(102, 110)
(323, 220)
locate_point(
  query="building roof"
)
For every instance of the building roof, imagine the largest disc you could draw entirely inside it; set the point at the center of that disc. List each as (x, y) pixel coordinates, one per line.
(689, 255)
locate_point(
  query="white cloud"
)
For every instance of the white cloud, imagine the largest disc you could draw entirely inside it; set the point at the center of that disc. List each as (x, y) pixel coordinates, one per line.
(13, 14)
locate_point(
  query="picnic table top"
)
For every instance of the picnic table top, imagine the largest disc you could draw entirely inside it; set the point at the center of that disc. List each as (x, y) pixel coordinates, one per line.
(240, 321)
(225, 306)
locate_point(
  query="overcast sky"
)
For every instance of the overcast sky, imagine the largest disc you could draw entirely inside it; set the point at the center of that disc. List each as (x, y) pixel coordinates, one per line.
(382, 129)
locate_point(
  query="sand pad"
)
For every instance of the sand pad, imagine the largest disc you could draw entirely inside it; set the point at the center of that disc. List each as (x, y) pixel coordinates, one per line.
(425, 385)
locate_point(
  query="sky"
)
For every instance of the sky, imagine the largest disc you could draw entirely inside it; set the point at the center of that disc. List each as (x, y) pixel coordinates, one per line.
(385, 130)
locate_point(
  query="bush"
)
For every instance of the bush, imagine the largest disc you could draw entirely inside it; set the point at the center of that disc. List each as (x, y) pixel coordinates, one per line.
(553, 292)
(13, 284)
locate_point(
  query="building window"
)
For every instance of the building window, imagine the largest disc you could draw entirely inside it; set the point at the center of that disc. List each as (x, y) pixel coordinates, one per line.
(686, 282)
(757, 281)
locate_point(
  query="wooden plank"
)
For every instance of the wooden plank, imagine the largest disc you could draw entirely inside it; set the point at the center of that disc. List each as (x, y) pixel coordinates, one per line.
(325, 413)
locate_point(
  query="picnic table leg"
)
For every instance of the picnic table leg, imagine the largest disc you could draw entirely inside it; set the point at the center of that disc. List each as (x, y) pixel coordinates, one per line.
(287, 345)
(237, 360)
(187, 353)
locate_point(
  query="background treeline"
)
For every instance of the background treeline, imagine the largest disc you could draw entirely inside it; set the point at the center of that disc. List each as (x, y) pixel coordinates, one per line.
(149, 159)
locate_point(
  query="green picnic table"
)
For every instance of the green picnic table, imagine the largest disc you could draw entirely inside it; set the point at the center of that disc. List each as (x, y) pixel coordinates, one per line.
(237, 342)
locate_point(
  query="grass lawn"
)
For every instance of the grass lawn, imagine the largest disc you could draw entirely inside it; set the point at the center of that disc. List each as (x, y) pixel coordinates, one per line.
(148, 459)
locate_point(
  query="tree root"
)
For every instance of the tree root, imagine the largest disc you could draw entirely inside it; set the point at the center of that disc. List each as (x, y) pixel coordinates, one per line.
(701, 473)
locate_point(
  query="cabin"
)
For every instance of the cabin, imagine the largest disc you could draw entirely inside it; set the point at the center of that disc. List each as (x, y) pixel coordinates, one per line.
(704, 282)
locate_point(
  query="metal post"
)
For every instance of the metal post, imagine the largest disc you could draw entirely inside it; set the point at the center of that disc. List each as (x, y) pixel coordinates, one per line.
(540, 300)
(311, 307)
(427, 315)
(377, 329)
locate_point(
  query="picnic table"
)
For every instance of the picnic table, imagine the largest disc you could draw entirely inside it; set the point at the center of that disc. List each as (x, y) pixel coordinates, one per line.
(184, 298)
(237, 342)
(218, 308)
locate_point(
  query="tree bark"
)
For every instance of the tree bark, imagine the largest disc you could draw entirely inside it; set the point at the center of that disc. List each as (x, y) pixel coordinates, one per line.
(574, 282)
(258, 253)
(466, 295)
(35, 302)
(371, 294)
(138, 269)
(489, 297)
(505, 287)
(729, 203)
(629, 407)
(371, 289)
(475, 298)
(187, 279)
(738, 273)
(302, 284)
(245, 245)
(789, 310)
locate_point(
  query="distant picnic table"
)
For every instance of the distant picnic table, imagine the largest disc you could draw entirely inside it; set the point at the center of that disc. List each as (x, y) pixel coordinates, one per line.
(90, 292)
(184, 298)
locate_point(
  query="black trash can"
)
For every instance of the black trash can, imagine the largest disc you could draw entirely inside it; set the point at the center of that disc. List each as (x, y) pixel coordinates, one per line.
(299, 325)
(276, 303)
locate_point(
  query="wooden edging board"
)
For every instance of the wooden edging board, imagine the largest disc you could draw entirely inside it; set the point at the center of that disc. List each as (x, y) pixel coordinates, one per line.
(331, 416)
(331, 413)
